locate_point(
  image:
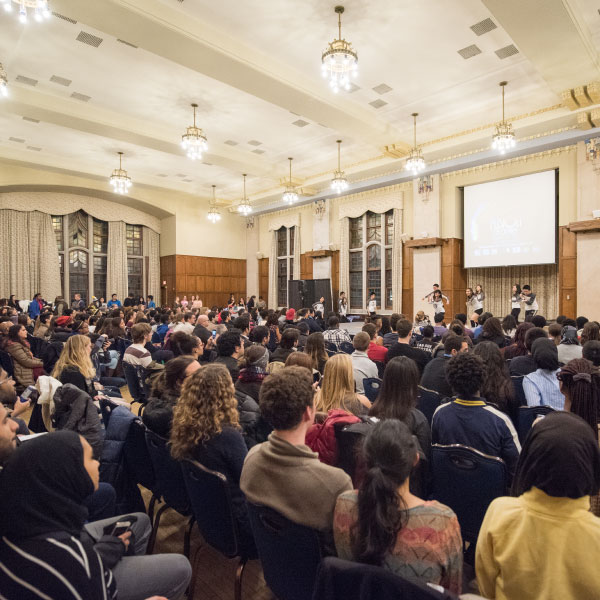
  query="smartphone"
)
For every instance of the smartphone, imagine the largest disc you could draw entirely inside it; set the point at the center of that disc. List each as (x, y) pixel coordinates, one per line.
(316, 377)
(214, 334)
(99, 343)
(27, 392)
(120, 527)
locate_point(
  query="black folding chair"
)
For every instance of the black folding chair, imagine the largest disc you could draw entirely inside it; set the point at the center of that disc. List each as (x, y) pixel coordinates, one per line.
(371, 386)
(525, 416)
(428, 401)
(517, 381)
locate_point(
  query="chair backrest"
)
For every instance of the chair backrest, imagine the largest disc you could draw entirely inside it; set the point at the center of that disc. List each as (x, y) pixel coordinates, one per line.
(210, 500)
(330, 353)
(517, 381)
(347, 347)
(106, 408)
(137, 458)
(134, 382)
(371, 386)
(428, 401)
(169, 480)
(467, 481)
(380, 368)
(331, 347)
(282, 543)
(525, 416)
(6, 362)
(339, 579)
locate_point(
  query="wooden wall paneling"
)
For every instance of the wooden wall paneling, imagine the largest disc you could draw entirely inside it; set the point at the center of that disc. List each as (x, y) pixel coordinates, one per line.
(306, 266)
(454, 277)
(335, 278)
(567, 272)
(407, 282)
(263, 278)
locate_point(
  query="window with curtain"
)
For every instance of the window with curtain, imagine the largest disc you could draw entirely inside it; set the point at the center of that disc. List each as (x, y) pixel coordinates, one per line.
(100, 257)
(78, 239)
(59, 232)
(285, 262)
(135, 260)
(370, 260)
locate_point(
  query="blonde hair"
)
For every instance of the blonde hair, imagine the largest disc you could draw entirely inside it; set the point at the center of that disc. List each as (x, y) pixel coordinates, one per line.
(75, 353)
(207, 402)
(337, 384)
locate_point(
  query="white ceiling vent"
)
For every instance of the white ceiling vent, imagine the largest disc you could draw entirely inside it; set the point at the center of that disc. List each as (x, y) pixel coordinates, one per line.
(34, 148)
(68, 19)
(382, 88)
(507, 51)
(300, 123)
(26, 80)
(31, 120)
(230, 143)
(61, 80)
(353, 88)
(127, 43)
(484, 26)
(14, 139)
(377, 103)
(257, 151)
(469, 51)
(81, 97)
(89, 39)
(255, 143)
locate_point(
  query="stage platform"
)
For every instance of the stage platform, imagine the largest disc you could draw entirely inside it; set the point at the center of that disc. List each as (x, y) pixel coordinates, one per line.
(352, 328)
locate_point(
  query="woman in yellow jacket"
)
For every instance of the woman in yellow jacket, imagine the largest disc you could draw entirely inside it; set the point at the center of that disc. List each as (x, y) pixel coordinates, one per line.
(544, 542)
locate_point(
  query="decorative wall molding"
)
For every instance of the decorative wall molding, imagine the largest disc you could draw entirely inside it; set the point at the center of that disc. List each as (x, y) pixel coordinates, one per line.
(284, 219)
(61, 203)
(379, 200)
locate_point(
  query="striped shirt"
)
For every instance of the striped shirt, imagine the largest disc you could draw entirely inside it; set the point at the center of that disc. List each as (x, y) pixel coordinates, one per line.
(46, 568)
(137, 355)
(543, 389)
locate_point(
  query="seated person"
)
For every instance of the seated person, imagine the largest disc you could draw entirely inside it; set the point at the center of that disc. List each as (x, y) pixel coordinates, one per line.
(434, 375)
(283, 473)
(166, 389)
(591, 352)
(492, 332)
(569, 347)
(547, 516)
(524, 364)
(253, 372)
(75, 366)
(376, 352)
(403, 348)
(206, 428)
(517, 347)
(24, 363)
(51, 553)
(334, 335)
(468, 419)
(541, 387)
(287, 345)
(362, 366)
(426, 342)
(384, 524)
(137, 354)
(229, 350)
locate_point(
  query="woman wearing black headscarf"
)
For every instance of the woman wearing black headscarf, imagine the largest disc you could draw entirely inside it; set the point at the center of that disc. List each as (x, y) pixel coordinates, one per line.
(544, 542)
(569, 347)
(41, 517)
(45, 549)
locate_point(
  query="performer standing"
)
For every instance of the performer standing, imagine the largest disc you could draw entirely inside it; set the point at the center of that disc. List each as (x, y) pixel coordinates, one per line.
(436, 288)
(531, 305)
(342, 306)
(515, 301)
(473, 305)
(437, 301)
(372, 305)
(480, 295)
(320, 306)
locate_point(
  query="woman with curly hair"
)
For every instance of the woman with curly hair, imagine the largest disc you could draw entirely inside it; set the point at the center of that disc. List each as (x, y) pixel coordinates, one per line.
(497, 386)
(206, 428)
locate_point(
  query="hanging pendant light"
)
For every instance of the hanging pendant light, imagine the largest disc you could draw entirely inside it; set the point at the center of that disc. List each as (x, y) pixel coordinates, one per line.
(194, 141)
(213, 212)
(290, 195)
(3, 82)
(339, 183)
(244, 207)
(415, 161)
(119, 179)
(41, 9)
(504, 138)
(340, 61)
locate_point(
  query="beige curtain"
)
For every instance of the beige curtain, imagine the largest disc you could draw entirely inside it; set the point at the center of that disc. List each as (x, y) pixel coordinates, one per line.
(345, 257)
(273, 271)
(397, 261)
(497, 284)
(296, 261)
(116, 270)
(29, 256)
(152, 251)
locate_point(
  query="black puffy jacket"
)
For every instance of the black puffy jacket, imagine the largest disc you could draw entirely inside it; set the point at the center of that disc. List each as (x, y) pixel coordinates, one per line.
(254, 428)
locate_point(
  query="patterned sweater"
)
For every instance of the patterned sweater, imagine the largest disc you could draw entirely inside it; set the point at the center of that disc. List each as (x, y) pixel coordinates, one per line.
(428, 548)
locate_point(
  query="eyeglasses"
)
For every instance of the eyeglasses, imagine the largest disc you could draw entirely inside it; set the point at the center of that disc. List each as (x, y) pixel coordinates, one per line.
(6, 380)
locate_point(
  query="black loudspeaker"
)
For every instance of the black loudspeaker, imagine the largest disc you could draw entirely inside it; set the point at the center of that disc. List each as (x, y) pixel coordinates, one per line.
(296, 293)
(323, 288)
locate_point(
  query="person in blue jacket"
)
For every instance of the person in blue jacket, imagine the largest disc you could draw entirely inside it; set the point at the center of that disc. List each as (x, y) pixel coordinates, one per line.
(36, 306)
(113, 302)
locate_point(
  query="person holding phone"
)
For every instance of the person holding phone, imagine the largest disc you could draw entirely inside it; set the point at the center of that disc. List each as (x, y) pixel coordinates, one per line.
(47, 550)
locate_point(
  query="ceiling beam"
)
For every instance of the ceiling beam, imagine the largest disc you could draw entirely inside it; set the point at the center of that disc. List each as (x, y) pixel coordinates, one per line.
(175, 36)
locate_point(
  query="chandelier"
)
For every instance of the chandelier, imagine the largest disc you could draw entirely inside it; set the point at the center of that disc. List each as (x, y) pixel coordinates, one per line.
(290, 195)
(41, 10)
(244, 207)
(339, 183)
(213, 212)
(194, 140)
(504, 138)
(415, 161)
(119, 179)
(340, 60)
(3, 82)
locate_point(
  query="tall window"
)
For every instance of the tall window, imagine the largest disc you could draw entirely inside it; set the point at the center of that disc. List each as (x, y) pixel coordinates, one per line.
(78, 255)
(371, 238)
(135, 260)
(59, 232)
(285, 262)
(100, 257)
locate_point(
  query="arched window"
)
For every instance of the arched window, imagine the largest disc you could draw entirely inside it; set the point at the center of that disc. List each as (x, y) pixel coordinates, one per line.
(371, 238)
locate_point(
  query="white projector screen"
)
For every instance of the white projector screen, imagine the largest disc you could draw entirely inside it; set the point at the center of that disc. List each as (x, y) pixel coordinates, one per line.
(511, 221)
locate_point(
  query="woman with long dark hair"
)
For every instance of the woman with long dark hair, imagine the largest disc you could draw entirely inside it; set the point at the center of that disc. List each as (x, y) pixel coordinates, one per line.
(515, 301)
(591, 332)
(315, 348)
(397, 399)
(509, 326)
(518, 347)
(27, 368)
(492, 332)
(384, 524)
(548, 515)
(497, 386)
